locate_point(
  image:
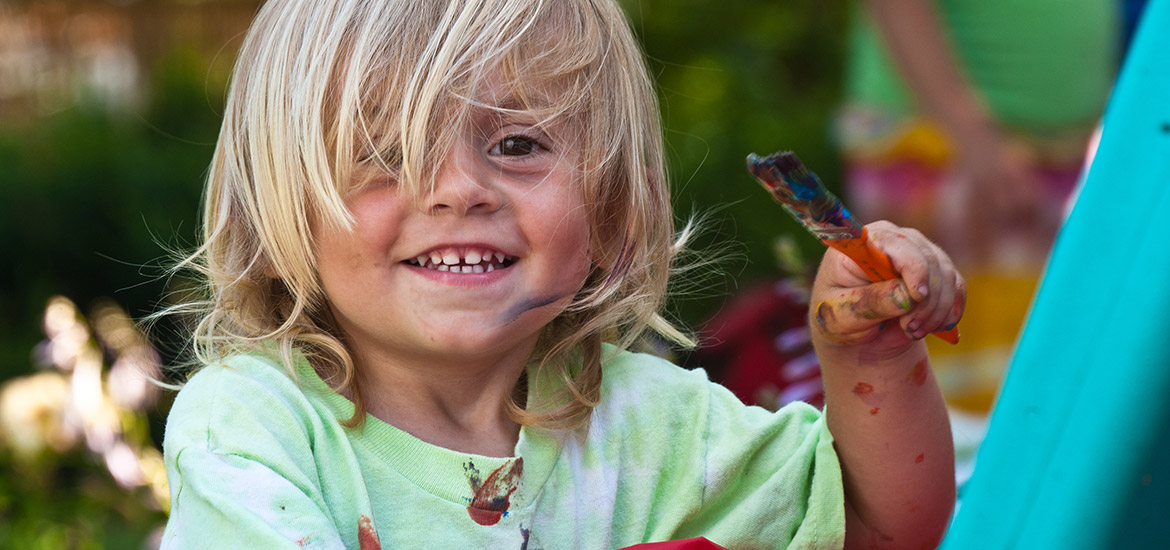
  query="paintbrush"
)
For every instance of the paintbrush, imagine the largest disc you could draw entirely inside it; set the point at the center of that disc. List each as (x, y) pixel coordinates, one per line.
(803, 195)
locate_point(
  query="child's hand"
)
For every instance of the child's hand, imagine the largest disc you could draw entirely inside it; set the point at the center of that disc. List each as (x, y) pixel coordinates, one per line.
(850, 310)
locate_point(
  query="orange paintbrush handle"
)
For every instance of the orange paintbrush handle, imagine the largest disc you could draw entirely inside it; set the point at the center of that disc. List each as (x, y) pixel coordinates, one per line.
(877, 267)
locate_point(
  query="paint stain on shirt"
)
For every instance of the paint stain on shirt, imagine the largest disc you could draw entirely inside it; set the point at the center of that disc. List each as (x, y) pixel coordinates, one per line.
(367, 535)
(918, 373)
(493, 495)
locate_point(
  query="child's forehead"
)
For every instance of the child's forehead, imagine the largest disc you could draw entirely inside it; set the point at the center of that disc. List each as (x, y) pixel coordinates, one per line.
(512, 98)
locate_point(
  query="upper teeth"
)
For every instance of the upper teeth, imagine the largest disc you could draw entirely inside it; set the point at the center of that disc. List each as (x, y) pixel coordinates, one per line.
(468, 261)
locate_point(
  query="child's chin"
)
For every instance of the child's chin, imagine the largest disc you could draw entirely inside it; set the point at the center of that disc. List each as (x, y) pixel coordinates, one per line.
(472, 344)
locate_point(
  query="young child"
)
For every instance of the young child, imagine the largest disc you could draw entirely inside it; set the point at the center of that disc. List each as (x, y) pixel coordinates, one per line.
(432, 229)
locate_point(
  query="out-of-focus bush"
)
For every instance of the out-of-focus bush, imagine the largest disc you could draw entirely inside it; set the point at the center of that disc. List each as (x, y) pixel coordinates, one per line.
(735, 78)
(82, 470)
(88, 196)
(108, 116)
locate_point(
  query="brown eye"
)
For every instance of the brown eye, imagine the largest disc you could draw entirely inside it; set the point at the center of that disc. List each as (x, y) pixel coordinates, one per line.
(516, 146)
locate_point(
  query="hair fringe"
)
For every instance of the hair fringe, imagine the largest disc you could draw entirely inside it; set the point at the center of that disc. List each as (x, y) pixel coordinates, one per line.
(321, 88)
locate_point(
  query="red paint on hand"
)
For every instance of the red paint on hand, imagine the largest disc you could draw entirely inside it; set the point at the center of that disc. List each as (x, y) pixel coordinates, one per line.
(918, 459)
(862, 389)
(492, 497)
(874, 410)
(918, 374)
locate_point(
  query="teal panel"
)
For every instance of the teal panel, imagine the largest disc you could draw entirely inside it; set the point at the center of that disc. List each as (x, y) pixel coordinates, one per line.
(1077, 449)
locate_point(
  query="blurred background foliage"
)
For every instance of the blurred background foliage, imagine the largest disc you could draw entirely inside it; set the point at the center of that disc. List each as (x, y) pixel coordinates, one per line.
(753, 76)
(108, 116)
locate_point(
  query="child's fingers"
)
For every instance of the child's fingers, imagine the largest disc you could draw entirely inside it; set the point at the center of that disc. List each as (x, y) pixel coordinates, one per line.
(856, 314)
(929, 275)
(928, 318)
(955, 313)
(913, 256)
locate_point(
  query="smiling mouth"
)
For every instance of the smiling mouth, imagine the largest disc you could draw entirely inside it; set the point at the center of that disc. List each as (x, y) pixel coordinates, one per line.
(463, 261)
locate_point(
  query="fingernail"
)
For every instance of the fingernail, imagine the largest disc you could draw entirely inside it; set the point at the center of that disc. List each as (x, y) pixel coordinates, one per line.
(901, 297)
(820, 318)
(923, 290)
(912, 326)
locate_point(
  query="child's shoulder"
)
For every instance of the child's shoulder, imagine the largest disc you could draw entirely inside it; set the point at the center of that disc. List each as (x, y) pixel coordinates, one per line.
(642, 385)
(242, 394)
(248, 375)
(656, 387)
(646, 372)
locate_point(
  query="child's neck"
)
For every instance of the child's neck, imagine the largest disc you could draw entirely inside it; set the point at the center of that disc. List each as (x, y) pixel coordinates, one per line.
(454, 404)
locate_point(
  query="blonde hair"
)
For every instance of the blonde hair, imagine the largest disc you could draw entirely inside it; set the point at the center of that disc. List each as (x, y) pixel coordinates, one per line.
(322, 86)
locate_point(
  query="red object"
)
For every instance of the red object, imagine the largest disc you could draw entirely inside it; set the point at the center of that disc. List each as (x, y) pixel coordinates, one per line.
(699, 543)
(759, 347)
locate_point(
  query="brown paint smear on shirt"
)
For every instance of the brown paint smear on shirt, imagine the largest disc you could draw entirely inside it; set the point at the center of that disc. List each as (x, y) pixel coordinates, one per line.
(493, 496)
(367, 535)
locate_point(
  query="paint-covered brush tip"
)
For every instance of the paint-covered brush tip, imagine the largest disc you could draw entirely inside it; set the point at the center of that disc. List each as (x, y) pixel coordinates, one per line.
(789, 164)
(755, 164)
(785, 161)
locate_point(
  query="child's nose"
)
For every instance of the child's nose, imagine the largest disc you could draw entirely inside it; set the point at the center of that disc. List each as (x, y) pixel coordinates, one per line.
(463, 189)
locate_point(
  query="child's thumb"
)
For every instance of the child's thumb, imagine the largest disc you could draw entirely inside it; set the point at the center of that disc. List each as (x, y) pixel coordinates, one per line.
(855, 314)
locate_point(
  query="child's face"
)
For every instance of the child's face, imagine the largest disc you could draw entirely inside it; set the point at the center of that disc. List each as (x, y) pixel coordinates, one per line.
(491, 255)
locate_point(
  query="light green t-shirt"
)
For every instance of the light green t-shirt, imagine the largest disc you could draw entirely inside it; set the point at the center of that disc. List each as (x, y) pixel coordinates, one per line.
(257, 461)
(1041, 65)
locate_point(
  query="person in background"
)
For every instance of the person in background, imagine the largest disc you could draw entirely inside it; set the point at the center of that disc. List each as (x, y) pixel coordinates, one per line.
(970, 119)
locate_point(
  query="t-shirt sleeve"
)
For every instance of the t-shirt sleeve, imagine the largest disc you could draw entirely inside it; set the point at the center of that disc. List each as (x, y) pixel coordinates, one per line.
(771, 480)
(237, 480)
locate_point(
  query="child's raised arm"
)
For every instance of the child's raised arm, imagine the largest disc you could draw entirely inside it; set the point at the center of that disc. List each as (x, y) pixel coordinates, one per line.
(883, 405)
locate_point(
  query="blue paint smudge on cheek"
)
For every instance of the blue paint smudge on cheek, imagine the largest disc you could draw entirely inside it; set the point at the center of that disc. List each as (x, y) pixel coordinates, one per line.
(514, 312)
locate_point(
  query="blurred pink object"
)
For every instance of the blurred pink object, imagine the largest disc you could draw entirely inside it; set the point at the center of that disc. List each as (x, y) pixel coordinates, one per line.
(699, 543)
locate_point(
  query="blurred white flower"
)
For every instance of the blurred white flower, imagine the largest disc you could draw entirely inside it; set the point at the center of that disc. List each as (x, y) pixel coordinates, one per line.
(60, 315)
(32, 415)
(128, 383)
(124, 466)
(54, 409)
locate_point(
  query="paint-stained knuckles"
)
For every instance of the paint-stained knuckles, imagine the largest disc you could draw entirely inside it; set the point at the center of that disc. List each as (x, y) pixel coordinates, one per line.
(874, 303)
